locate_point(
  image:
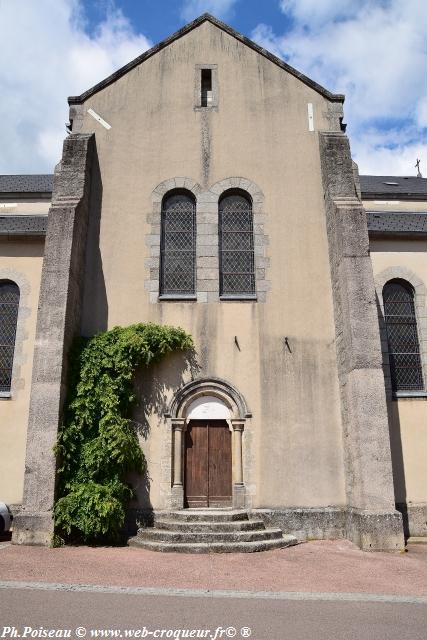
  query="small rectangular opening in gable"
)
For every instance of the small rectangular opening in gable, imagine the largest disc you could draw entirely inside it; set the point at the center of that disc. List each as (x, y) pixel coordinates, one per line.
(206, 88)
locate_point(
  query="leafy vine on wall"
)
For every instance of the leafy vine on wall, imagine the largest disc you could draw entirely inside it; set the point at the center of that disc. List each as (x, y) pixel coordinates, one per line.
(97, 446)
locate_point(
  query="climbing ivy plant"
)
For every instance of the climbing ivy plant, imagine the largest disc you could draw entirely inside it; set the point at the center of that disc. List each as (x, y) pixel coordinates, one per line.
(97, 446)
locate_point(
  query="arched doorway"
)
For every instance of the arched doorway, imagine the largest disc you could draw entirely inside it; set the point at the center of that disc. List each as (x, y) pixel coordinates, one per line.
(207, 454)
(208, 418)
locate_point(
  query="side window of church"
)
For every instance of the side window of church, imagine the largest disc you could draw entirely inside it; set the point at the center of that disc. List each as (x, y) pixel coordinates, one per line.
(236, 245)
(402, 336)
(9, 304)
(178, 245)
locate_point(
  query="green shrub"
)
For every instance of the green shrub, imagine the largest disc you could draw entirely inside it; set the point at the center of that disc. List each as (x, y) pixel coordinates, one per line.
(97, 446)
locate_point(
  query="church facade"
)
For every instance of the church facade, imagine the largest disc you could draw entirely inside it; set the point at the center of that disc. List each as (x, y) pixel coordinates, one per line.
(208, 185)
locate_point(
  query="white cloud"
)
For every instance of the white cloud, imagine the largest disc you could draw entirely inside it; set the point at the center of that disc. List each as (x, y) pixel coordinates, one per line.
(46, 55)
(316, 12)
(219, 8)
(374, 51)
(376, 159)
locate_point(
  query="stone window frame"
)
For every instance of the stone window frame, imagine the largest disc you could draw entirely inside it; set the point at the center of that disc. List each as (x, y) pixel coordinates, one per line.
(153, 239)
(207, 242)
(198, 87)
(420, 292)
(228, 295)
(168, 295)
(24, 312)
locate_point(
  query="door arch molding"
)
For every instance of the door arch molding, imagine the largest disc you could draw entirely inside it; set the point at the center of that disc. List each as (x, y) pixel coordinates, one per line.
(216, 387)
(178, 410)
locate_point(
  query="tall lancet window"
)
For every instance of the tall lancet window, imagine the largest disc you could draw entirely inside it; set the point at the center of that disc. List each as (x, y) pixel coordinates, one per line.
(9, 304)
(178, 245)
(236, 245)
(402, 336)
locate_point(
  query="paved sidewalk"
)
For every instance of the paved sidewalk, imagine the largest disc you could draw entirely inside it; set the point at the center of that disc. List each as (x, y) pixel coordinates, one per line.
(320, 566)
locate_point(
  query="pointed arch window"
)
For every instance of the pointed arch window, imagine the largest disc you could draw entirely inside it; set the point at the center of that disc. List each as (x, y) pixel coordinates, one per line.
(9, 304)
(236, 245)
(402, 336)
(178, 245)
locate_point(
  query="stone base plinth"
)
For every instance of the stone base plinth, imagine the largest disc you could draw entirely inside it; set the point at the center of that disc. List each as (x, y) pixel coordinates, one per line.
(414, 519)
(33, 529)
(239, 496)
(370, 530)
(317, 523)
(177, 497)
(376, 530)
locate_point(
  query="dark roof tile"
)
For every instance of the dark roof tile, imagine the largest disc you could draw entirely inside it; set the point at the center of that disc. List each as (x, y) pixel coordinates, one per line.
(23, 225)
(409, 186)
(33, 183)
(396, 222)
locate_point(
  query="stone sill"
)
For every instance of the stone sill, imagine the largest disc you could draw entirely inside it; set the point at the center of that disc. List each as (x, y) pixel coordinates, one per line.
(5, 395)
(177, 298)
(410, 395)
(211, 107)
(237, 298)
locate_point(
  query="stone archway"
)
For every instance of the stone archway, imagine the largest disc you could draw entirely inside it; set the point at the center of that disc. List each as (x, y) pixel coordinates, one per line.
(216, 399)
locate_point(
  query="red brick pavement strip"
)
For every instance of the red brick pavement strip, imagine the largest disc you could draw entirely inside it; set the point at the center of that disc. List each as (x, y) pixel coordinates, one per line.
(320, 566)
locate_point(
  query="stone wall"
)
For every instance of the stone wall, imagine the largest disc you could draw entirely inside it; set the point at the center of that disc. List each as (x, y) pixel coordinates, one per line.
(57, 324)
(373, 523)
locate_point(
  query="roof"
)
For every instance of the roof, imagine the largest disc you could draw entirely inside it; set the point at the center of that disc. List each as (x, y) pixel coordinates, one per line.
(379, 223)
(206, 17)
(396, 222)
(371, 186)
(33, 183)
(23, 225)
(394, 187)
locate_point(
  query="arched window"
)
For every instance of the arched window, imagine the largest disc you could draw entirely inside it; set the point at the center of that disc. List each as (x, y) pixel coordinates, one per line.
(402, 336)
(9, 303)
(236, 245)
(178, 245)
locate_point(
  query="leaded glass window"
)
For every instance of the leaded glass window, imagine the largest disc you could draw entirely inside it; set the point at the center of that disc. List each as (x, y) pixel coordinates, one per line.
(178, 245)
(402, 337)
(9, 304)
(236, 246)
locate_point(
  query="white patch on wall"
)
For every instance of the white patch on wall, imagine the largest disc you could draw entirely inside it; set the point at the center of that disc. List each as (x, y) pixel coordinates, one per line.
(310, 116)
(208, 408)
(7, 205)
(99, 119)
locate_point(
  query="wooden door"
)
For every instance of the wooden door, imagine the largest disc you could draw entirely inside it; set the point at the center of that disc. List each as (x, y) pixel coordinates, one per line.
(196, 464)
(208, 464)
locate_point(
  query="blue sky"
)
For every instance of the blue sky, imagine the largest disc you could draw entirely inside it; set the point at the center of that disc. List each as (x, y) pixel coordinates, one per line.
(374, 51)
(157, 19)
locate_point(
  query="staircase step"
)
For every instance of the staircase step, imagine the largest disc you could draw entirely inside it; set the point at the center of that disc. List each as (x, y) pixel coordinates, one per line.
(214, 547)
(205, 527)
(172, 537)
(210, 515)
(210, 531)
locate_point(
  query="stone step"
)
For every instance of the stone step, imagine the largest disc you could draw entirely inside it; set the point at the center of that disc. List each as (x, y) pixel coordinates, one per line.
(209, 515)
(171, 537)
(213, 547)
(205, 527)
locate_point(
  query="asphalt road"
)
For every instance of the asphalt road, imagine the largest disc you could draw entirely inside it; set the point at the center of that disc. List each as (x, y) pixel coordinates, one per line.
(27, 613)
